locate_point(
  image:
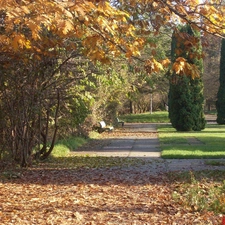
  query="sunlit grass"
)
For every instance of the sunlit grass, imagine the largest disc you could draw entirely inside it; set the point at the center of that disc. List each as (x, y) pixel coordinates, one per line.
(63, 147)
(210, 142)
(64, 156)
(155, 117)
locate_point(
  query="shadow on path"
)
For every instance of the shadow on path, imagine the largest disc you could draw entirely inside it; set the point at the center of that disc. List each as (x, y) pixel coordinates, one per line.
(133, 140)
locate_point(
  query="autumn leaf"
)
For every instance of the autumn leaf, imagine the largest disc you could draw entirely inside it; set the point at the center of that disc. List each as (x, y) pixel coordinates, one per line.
(34, 29)
(112, 25)
(89, 195)
(182, 67)
(153, 66)
(166, 62)
(20, 41)
(65, 26)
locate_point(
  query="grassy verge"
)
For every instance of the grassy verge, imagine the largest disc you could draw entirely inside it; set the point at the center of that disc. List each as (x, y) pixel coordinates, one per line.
(63, 157)
(200, 191)
(208, 143)
(63, 147)
(155, 117)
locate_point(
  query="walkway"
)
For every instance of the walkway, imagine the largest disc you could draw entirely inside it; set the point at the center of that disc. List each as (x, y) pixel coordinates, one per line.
(133, 140)
(140, 140)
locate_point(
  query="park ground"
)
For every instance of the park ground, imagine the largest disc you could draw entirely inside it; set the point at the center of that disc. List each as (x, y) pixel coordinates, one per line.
(120, 190)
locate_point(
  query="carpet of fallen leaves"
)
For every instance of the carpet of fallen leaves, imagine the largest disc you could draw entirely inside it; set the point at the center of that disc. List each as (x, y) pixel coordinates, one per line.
(94, 196)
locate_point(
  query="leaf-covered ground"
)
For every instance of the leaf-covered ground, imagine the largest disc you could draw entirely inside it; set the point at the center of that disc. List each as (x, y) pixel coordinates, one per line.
(94, 196)
(117, 193)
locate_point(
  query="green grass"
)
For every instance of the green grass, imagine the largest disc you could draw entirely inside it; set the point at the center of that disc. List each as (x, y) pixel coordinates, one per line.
(200, 191)
(177, 144)
(155, 117)
(63, 157)
(215, 163)
(63, 147)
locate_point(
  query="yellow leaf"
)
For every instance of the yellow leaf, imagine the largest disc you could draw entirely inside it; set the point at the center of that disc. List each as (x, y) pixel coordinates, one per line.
(68, 26)
(15, 43)
(35, 28)
(25, 9)
(182, 67)
(152, 66)
(65, 26)
(166, 62)
(18, 41)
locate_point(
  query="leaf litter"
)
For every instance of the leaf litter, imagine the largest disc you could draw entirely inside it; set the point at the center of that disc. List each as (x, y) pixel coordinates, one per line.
(95, 196)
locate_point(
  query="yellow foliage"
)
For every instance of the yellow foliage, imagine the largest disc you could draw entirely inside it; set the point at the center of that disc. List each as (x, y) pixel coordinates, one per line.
(34, 29)
(65, 26)
(166, 62)
(152, 66)
(20, 41)
(25, 9)
(182, 67)
(103, 29)
(96, 23)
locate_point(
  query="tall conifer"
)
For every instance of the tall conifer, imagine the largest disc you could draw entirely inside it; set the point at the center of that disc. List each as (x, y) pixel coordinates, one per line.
(186, 94)
(220, 104)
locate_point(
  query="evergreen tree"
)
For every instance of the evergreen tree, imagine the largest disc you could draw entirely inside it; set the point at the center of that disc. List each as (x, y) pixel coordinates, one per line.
(220, 104)
(185, 93)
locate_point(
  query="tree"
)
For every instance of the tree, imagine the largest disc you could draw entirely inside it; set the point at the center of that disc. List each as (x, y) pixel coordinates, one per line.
(186, 93)
(149, 16)
(211, 49)
(39, 26)
(147, 84)
(39, 40)
(220, 103)
(103, 29)
(112, 86)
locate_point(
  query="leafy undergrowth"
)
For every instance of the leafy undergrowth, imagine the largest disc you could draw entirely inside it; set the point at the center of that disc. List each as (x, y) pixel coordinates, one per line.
(202, 191)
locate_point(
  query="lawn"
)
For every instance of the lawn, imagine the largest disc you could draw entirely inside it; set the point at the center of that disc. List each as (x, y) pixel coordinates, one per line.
(208, 143)
(155, 117)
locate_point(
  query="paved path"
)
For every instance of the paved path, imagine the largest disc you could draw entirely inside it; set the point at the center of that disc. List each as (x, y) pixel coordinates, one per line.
(140, 140)
(133, 140)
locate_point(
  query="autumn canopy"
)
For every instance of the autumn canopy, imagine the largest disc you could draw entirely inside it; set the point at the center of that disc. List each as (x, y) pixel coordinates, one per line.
(103, 28)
